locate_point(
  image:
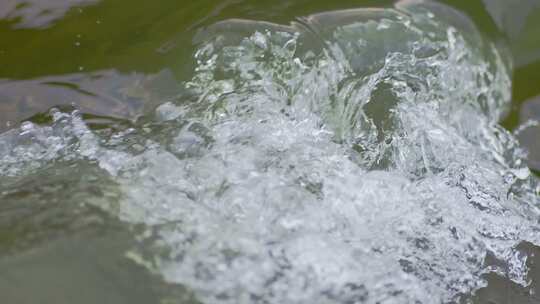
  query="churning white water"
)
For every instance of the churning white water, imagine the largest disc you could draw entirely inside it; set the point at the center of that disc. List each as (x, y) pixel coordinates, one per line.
(350, 157)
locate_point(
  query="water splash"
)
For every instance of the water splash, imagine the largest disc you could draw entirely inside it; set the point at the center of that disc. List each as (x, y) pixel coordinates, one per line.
(350, 157)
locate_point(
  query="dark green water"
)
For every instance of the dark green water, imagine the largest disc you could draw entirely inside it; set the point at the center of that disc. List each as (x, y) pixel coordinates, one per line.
(118, 59)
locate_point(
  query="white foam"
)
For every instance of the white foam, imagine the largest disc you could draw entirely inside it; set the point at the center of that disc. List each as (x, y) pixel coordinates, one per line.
(314, 176)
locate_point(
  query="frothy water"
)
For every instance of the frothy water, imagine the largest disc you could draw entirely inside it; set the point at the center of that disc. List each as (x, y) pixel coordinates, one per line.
(349, 157)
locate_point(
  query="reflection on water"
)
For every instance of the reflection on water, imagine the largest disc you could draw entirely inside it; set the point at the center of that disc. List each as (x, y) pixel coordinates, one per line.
(38, 13)
(117, 60)
(519, 23)
(529, 131)
(104, 93)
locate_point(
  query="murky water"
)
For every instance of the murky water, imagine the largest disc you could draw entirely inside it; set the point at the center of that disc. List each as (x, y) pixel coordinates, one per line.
(267, 152)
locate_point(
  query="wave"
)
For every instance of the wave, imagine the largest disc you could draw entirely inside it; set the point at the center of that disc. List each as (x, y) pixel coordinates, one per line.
(348, 157)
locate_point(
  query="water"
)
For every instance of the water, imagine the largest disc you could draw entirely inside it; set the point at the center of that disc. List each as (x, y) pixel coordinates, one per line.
(350, 156)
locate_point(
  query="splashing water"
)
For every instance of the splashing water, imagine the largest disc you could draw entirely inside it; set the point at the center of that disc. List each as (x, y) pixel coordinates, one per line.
(350, 157)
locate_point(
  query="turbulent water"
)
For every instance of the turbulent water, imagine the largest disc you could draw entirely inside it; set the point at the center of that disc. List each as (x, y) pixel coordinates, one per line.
(349, 157)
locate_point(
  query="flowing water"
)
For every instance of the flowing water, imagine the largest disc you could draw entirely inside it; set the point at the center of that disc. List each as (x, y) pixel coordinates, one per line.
(284, 152)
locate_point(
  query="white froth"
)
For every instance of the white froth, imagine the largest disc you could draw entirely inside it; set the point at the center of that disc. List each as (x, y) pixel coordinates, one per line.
(366, 169)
